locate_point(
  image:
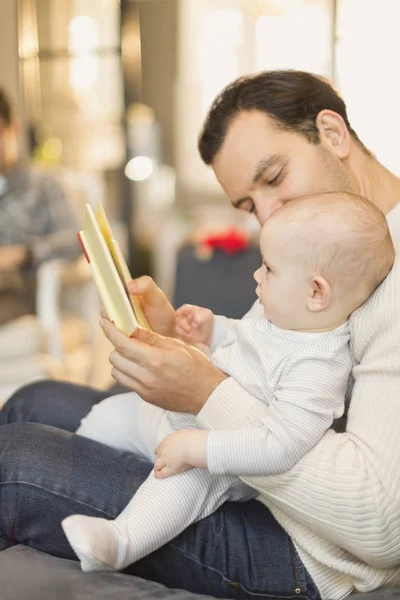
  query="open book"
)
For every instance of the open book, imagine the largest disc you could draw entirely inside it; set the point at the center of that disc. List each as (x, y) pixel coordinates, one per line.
(110, 272)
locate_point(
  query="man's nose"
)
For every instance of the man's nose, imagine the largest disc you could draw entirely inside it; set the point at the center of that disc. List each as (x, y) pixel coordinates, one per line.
(265, 208)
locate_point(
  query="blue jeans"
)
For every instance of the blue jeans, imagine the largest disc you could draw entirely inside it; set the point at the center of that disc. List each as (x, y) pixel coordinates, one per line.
(48, 473)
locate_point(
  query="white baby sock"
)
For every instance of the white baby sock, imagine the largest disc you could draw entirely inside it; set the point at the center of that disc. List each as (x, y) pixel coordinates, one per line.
(95, 541)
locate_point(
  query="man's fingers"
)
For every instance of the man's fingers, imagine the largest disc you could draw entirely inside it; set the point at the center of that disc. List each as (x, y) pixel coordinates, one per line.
(126, 381)
(204, 349)
(103, 312)
(126, 366)
(132, 348)
(145, 286)
(150, 338)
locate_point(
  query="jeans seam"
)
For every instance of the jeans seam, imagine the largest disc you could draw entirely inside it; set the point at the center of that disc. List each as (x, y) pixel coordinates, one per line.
(298, 568)
(41, 487)
(231, 581)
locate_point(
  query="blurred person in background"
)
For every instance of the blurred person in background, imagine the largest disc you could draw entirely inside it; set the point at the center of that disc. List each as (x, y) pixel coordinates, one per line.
(37, 222)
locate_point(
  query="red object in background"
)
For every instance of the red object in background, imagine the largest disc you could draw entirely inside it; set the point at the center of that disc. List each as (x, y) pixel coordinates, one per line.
(230, 241)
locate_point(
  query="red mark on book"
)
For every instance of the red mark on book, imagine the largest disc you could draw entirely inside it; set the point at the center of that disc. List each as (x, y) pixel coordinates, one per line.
(83, 247)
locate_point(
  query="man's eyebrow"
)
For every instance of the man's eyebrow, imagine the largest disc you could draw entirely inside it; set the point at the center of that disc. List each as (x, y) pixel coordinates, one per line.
(265, 164)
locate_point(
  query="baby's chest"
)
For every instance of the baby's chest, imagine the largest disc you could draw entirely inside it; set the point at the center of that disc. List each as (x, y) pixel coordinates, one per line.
(256, 365)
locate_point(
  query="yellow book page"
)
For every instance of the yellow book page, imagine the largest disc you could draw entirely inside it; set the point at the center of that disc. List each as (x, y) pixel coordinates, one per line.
(105, 275)
(121, 265)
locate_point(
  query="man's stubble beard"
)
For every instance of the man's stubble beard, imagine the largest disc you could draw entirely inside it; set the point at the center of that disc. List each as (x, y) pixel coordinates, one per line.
(336, 177)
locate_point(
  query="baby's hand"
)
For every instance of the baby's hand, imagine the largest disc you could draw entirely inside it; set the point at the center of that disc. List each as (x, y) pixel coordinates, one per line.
(180, 452)
(194, 324)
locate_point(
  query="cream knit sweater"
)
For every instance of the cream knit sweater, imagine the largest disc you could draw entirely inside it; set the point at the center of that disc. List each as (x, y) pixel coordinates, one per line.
(341, 502)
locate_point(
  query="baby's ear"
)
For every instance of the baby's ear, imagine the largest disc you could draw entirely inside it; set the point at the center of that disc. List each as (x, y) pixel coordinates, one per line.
(320, 294)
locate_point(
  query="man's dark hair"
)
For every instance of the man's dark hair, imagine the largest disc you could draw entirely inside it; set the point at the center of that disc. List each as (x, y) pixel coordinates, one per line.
(5, 108)
(292, 99)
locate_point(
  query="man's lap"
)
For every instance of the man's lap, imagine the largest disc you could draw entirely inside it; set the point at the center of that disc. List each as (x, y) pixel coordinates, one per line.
(54, 403)
(48, 474)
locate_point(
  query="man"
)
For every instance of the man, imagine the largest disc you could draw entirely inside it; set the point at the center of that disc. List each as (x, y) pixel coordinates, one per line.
(36, 222)
(331, 524)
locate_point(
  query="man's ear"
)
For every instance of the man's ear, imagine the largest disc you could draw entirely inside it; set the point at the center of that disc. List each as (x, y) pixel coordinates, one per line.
(320, 295)
(333, 132)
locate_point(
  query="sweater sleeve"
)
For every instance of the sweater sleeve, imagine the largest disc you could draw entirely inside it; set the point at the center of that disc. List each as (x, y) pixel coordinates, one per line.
(309, 397)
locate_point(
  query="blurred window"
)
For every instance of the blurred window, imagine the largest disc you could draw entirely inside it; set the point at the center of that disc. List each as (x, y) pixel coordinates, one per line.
(223, 39)
(367, 66)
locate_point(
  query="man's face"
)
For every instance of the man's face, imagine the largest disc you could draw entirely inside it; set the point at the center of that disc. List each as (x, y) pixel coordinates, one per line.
(261, 167)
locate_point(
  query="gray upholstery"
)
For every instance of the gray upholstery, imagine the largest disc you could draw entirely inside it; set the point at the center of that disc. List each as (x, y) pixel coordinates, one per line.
(26, 574)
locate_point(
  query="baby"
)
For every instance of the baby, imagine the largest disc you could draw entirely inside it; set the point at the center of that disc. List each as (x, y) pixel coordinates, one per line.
(322, 257)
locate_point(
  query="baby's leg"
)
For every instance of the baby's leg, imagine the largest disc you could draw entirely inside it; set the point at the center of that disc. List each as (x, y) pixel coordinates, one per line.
(124, 422)
(160, 510)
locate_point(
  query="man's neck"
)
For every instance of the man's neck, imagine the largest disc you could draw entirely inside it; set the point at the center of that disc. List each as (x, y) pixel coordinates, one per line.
(374, 181)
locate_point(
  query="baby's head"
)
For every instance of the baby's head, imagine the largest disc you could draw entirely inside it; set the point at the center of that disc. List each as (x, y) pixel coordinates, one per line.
(323, 256)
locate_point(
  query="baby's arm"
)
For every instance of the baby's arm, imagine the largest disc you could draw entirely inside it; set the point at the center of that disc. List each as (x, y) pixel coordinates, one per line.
(195, 324)
(309, 397)
(181, 451)
(198, 325)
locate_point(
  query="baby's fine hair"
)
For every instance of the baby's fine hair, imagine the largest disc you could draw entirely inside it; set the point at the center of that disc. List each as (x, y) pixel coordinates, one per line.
(343, 236)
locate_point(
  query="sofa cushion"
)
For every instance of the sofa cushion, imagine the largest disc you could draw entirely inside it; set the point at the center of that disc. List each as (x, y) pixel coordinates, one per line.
(27, 574)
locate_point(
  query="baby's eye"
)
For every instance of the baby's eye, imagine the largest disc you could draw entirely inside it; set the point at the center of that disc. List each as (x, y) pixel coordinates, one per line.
(267, 268)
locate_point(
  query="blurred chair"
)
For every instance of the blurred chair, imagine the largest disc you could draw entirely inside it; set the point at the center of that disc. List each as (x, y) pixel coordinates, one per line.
(67, 307)
(61, 340)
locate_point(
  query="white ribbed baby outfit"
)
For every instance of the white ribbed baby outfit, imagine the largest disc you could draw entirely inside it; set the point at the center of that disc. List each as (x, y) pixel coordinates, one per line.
(340, 503)
(298, 378)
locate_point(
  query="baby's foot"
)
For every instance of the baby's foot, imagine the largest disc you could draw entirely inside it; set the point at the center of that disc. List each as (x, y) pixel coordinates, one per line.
(94, 540)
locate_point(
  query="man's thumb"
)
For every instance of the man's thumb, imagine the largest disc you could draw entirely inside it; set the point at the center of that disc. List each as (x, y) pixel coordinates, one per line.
(146, 288)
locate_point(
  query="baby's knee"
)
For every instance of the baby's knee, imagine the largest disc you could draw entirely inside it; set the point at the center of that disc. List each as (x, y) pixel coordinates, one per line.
(100, 416)
(110, 418)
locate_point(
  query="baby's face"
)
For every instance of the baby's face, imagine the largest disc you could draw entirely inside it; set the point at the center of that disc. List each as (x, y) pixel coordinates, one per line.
(283, 284)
